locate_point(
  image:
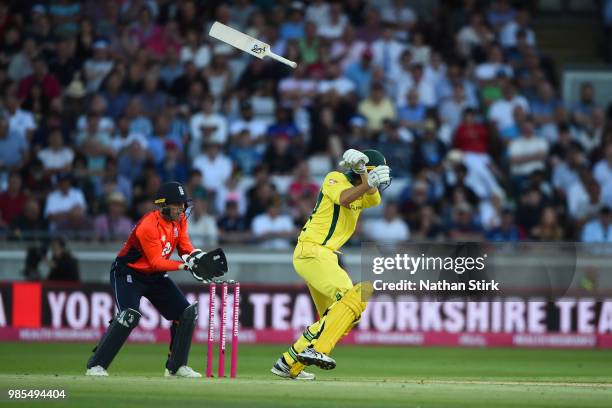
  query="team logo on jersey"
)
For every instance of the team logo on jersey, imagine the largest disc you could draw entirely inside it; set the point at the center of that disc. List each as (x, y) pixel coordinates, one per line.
(175, 232)
(332, 181)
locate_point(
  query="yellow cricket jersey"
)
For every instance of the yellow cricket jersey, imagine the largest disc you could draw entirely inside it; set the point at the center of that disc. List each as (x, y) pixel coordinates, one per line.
(331, 224)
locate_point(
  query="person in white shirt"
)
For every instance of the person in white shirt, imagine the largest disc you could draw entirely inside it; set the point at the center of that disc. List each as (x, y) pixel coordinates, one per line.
(56, 157)
(347, 49)
(207, 126)
(272, 229)
(387, 51)
(507, 35)
(400, 15)
(215, 166)
(528, 152)
(201, 226)
(493, 66)
(335, 25)
(199, 53)
(502, 110)
(602, 171)
(336, 82)
(65, 202)
(98, 67)
(423, 85)
(20, 121)
(390, 229)
(256, 128)
(474, 35)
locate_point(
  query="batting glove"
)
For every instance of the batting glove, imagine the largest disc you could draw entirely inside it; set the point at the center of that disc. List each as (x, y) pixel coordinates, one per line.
(380, 175)
(354, 160)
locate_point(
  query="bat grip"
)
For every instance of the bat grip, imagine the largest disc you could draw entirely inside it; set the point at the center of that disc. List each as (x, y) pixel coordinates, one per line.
(282, 59)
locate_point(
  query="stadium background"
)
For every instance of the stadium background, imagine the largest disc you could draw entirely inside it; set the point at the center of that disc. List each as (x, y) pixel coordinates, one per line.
(495, 123)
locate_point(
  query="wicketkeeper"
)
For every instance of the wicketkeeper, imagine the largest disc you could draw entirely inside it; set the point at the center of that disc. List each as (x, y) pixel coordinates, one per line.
(141, 269)
(339, 303)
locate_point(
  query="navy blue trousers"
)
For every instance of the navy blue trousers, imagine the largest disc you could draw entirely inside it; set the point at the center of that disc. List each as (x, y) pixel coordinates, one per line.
(129, 286)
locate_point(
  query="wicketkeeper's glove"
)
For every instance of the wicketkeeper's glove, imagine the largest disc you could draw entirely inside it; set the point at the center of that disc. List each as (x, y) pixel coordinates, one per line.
(205, 266)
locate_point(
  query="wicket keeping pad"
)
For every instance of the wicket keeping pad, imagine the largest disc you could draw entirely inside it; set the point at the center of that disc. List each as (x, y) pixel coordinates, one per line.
(210, 265)
(110, 344)
(182, 332)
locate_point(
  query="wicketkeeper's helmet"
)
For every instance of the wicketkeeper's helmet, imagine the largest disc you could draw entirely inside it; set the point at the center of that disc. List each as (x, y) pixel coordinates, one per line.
(172, 193)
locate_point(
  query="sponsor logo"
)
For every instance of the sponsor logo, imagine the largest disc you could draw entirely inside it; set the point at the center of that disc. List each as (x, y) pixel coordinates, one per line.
(258, 50)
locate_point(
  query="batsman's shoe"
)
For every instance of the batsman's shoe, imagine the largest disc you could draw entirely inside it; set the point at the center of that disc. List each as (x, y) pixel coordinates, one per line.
(283, 370)
(183, 371)
(97, 371)
(312, 357)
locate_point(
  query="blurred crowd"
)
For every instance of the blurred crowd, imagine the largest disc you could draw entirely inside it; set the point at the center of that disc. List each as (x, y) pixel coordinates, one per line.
(102, 101)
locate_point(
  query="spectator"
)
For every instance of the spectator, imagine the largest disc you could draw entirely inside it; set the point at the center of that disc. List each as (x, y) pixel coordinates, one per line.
(502, 110)
(29, 225)
(12, 200)
(507, 231)
(463, 227)
(272, 229)
(396, 144)
(526, 154)
(56, 157)
(508, 33)
(279, 156)
(386, 52)
(98, 67)
(62, 265)
(173, 167)
(585, 109)
(215, 166)
(302, 184)
(202, 227)
(360, 73)
(549, 228)
(195, 51)
(233, 226)
(113, 225)
(21, 121)
(13, 147)
(598, 229)
(474, 38)
(66, 204)
(207, 126)
(256, 128)
(41, 78)
(412, 115)
(391, 229)
(377, 108)
(429, 227)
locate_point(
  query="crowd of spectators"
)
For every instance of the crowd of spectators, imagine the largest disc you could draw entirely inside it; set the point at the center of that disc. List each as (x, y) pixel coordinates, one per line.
(102, 101)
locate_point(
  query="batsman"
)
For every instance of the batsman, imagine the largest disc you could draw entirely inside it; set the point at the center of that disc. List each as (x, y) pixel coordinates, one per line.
(339, 303)
(141, 269)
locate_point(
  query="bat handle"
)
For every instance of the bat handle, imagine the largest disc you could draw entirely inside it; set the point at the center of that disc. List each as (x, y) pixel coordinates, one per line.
(282, 59)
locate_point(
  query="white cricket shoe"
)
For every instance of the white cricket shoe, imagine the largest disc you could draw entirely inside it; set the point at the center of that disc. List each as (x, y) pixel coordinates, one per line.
(97, 371)
(183, 371)
(283, 370)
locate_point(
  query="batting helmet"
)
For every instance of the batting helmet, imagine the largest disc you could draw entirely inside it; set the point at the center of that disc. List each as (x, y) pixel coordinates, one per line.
(375, 158)
(172, 193)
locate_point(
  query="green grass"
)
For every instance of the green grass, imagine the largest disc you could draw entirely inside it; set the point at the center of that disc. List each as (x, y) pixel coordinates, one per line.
(365, 377)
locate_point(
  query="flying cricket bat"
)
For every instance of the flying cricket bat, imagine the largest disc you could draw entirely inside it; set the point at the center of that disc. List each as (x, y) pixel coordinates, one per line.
(245, 43)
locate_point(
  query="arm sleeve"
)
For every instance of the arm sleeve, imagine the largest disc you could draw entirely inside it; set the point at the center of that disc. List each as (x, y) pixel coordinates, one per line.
(334, 184)
(148, 236)
(184, 245)
(371, 200)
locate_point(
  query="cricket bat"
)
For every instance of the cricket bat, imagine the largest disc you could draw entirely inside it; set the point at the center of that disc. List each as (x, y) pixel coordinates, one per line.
(245, 43)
